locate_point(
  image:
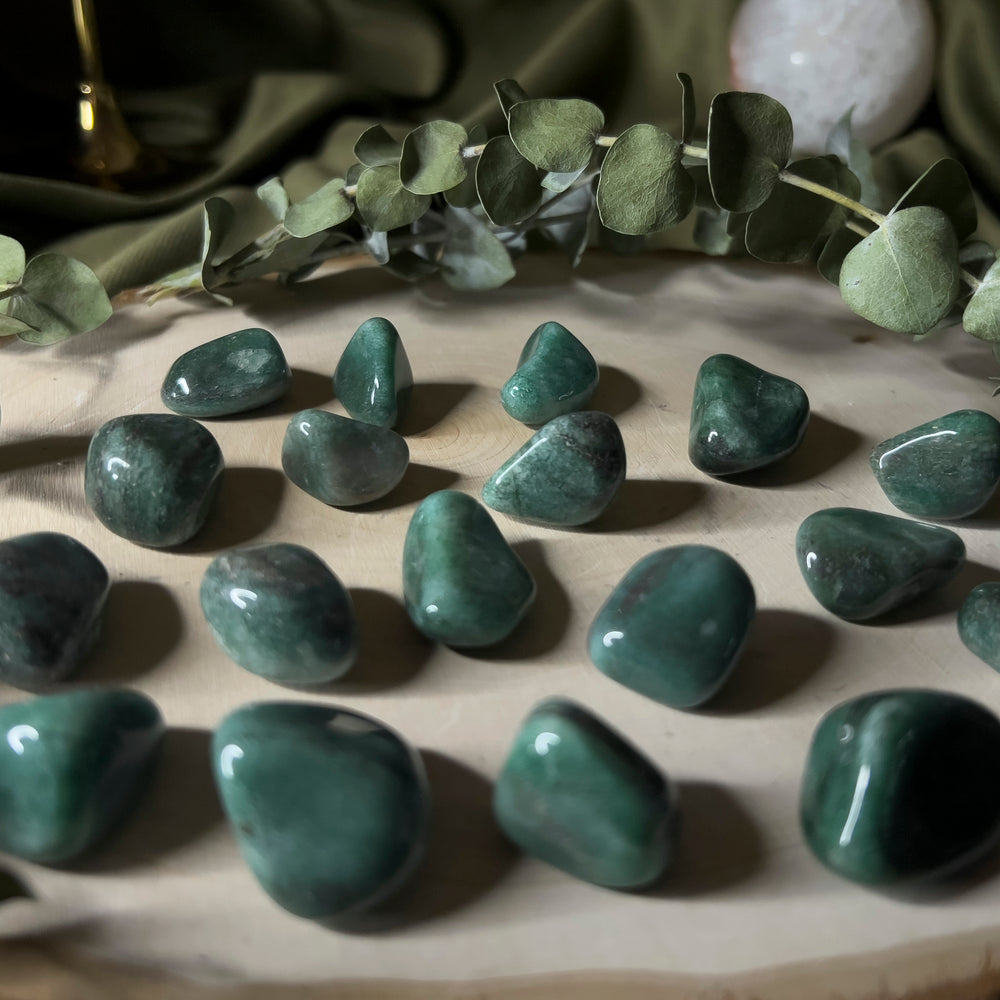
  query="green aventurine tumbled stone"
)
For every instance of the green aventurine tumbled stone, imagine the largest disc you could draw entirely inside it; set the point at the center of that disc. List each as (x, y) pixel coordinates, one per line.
(340, 461)
(575, 794)
(555, 374)
(462, 583)
(902, 786)
(373, 378)
(330, 808)
(979, 622)
(52, 595)
(946, 468)
(566, 474)
(674, 627)
(238, 372)
(743, 417)
(71, 765)
(859, 563)
(151, 477)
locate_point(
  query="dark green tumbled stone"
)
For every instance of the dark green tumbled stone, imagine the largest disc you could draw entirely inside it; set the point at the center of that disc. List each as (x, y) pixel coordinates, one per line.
(52, 595)
(71, 765)
(566, 474)
(743, 417)
(341, 461)
(151, 477)
(462, 583)
(576, 795)
(279, 611)
(944, 469)
(238, 372)
(674, 627)
(330, 808)
(555, 374)
(859, 563)
(373, 378)
(979, 622)
(902, 786)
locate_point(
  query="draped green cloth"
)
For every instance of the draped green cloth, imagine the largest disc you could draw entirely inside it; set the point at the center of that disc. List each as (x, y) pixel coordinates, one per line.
(238, 90)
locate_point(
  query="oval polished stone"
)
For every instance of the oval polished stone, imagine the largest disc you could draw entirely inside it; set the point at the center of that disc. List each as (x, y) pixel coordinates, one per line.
(340, 461)
(944, 469)
(71, 766)
(231, 374)
(463, 584)
(566, 474)
(52, 595)
(979, 622)
(743, 417)
(151, 477)
(329, 807)
(859, 563)
(555, 374)
(373, 378)
(576, 795)
(279, 611)
(902, 786)
(674, 627)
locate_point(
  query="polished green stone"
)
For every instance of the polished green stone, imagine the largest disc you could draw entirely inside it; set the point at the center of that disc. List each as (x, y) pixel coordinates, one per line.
(329, 807)
(52, 595)
(576, 795)
(340, 461)
(279, 611)
(859, 563)
(979, 622)
(71, 766)
(373, 378)
(566, 474)
(902, 786)
(151, 477)
(238, 372)
(674, 627)
(555, 374)
(462, 583)
(944, 469)
(743, 417)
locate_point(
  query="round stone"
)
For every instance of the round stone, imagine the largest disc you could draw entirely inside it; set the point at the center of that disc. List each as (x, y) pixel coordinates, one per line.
(979, 622)
(373, 378)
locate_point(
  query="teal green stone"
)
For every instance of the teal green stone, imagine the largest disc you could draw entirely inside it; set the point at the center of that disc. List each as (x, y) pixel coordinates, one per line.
(152, 477)
(71, 766)
(576, 795)
(463, 584)
(566, 474)
(52, 595)
(979, 622)
(373, 378)
(674, 627)
(329, 807)
(902, 787)
(555, 374)
(340, 461)
(231, 374)
(860, 564)
(743, 417)
(279, 611)
(944, 469)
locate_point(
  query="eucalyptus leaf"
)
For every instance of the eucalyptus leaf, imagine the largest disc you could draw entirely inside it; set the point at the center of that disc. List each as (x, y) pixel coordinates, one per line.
(237, 228)
(275, 198)
(473, 258)
(944, 185)
(687, 107)
(409, 266)
(849, 185)
(559, 182)
(843, 143)
(432, 160)
(904, 276)
(556, 134)
(698, 172)
(321, 210)
(384, 203)
(218, 220)
(290, 256)
(376, 147)
(576, 209)
(977, 257)
(10, 326)
(464, 194)
(982, 314)
(720, 233)
(11, 261)
(508, 185)
(509, 93)
(377, 245)
(836, 248)
(354, 171)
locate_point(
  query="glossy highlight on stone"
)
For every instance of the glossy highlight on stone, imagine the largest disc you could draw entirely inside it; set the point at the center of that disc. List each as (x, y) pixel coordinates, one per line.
(279, 611)
(373, 378)
(52, 595)
(463, 584)
(860, 564)
(71, 766)
(151, 477)
(944, 469)
(555, 374)
(230, 374)
(329, 807)
(979, 622)
(743, 417)
(566, 474)
(340, 461)
(902, 786)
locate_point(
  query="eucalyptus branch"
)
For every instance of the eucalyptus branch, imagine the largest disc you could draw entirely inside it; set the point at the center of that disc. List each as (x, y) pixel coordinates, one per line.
(787, 177)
